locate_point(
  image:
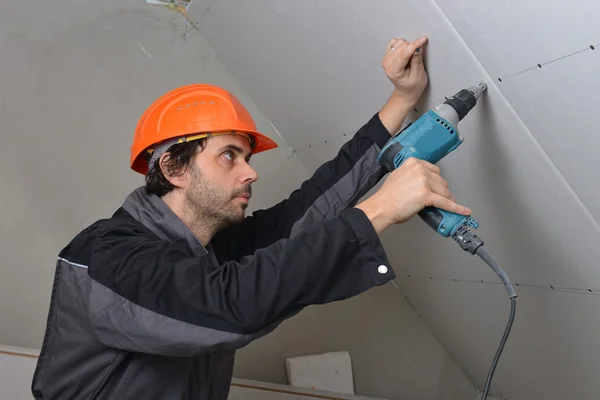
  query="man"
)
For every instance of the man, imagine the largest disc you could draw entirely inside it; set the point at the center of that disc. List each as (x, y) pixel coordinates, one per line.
(153, 302)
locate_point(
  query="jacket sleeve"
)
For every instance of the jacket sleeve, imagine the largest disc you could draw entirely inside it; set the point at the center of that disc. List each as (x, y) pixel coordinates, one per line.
(148, 295)
(336, 185)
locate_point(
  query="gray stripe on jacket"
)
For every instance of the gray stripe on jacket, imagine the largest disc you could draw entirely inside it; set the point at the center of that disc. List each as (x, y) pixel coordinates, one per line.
(122, 324)
(364, 175)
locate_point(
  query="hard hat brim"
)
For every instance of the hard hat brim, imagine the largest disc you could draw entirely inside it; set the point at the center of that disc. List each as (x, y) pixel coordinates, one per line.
(262, 143)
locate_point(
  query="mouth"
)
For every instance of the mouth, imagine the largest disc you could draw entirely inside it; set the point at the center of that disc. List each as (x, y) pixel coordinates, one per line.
(244, 194)
(245, 197)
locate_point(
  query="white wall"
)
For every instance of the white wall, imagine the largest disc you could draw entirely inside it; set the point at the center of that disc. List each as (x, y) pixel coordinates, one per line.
(17, 366)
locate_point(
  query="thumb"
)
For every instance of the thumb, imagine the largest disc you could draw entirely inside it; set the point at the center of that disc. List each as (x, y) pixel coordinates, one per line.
(416, 60)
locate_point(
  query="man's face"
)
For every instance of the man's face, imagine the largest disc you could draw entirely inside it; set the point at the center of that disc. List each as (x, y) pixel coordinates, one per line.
(219, 179)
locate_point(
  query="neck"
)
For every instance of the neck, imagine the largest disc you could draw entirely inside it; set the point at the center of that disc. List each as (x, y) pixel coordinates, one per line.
(202, 226)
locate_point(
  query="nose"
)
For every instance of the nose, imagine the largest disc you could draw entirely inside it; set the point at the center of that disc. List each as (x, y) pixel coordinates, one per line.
(250, 175)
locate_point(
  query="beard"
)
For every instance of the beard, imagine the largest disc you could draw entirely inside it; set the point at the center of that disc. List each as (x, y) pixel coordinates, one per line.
(210, 202)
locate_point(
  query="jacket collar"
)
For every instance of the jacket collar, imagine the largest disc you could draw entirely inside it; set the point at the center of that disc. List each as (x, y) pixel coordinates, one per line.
(152, 212)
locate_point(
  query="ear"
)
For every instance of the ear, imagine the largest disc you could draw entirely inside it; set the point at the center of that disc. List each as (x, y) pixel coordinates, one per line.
(177, 178)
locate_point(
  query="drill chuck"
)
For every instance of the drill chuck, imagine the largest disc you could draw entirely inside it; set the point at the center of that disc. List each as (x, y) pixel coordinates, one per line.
(464, 101)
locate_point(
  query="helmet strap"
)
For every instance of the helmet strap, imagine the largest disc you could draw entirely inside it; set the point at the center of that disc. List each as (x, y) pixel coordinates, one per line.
(159, 149)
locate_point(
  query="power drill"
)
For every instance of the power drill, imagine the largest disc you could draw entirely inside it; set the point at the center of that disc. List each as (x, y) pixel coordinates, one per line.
(431, 138)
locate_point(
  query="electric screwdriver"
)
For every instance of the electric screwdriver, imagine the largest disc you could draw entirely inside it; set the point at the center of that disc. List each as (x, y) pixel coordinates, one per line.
(431, 137)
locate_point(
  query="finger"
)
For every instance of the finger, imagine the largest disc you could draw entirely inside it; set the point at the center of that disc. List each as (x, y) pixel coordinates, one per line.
(416, 61)
(396, 45)
(437, 178)
(428, 166)
(408, 51)
(418, 44)
(448, 205)
(388, 48)
(440, 189)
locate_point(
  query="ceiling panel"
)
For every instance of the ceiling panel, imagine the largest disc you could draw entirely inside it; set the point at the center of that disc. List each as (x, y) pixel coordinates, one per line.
(559, 104)
(552, 83)
(514, 35)
(316, 81)
(552, 352)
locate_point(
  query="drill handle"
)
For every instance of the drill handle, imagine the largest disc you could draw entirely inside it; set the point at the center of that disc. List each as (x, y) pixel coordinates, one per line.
(432, 216)
(390, 152)
(439, 220)
(445, 222)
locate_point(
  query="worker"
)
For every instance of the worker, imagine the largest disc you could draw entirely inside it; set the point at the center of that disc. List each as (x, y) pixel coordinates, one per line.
(153, 302)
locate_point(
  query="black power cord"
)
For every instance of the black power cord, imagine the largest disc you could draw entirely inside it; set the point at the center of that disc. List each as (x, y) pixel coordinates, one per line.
(471, 243)
(489, 260)
(488, 382)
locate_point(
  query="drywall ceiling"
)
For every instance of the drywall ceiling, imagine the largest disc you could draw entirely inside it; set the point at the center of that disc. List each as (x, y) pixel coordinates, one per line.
(526, 168)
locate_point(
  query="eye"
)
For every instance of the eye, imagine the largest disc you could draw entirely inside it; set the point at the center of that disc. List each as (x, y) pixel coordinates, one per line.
(229, 155)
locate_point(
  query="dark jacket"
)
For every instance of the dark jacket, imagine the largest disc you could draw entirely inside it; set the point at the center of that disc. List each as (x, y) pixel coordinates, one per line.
(141, 310)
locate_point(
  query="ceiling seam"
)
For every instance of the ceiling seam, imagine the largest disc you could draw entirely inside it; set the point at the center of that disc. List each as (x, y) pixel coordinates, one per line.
(203, 12)
(412, 306)
(589, 48)
(492, 81)
(585, 291)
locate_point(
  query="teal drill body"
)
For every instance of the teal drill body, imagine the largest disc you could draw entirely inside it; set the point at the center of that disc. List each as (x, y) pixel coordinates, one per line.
(431, 137)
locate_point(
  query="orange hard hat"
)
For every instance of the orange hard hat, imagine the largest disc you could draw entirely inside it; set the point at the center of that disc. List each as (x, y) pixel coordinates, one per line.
(188, 113)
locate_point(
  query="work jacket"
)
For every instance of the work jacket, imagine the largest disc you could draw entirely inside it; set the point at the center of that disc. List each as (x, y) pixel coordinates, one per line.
(141, 310)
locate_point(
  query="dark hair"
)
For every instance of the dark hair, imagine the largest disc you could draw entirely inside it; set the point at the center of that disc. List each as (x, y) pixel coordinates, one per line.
(179, 158)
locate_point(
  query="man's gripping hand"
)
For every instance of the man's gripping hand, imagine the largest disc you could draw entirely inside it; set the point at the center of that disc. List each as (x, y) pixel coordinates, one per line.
(416, 184)
(403, 65)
